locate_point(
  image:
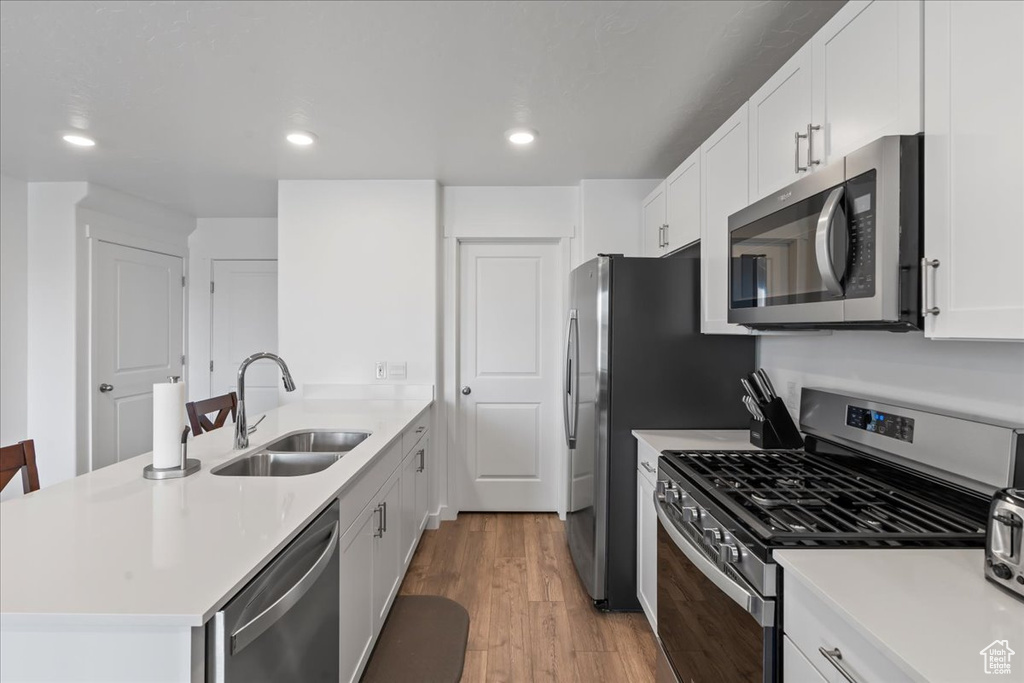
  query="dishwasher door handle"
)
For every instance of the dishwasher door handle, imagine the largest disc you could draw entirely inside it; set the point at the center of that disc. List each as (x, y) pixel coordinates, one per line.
(254, 628)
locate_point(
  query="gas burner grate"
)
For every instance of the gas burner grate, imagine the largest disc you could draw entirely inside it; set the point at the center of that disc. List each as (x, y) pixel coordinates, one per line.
(791, 496)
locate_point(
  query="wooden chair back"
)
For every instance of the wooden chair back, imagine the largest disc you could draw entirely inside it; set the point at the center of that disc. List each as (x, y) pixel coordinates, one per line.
(198, 411)
(20, 456)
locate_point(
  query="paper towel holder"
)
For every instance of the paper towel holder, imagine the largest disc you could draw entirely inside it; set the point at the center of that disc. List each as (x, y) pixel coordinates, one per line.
(186, 467)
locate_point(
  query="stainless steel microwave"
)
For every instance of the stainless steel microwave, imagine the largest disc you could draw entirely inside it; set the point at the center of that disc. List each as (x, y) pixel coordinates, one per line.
(838, 249)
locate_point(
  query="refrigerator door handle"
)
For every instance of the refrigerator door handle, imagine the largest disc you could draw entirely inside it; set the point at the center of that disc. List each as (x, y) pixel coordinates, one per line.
(567, 380)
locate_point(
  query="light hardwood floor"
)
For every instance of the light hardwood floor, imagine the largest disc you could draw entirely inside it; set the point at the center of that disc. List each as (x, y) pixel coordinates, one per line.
(530, 617)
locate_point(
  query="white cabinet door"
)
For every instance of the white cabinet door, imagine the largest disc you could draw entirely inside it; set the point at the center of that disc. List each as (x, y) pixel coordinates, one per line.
(780, 113)
(724, 164)
(423, 475)
(387, 548)
(409, 516)
(867, 75)
(358, 616)
(654, 215)
(974, 169)
(647, 549)
(682, 205)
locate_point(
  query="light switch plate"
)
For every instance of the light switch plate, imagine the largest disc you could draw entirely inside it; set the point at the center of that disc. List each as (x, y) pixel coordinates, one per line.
(397, 370)
(381, 369)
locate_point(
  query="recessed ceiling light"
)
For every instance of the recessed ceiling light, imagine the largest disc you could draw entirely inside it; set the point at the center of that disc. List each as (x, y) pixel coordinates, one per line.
(521, 136)
(79, 141)
(301, 138)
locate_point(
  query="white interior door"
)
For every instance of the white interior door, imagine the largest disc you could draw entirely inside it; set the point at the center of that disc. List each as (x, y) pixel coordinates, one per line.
(510, 296)
(244, 309)
(137, 340)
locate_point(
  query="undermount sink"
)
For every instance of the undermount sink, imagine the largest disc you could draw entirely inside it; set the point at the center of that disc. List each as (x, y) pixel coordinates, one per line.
(294, 455)
(317, 442)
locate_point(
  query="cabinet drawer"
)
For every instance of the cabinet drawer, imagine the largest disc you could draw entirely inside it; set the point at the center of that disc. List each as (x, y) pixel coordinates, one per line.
(647, 462)
(414, 432)
(795, 667)
(811, 624)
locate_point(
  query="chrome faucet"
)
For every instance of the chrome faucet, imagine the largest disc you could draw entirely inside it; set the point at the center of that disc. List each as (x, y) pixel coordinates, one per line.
(241, 428)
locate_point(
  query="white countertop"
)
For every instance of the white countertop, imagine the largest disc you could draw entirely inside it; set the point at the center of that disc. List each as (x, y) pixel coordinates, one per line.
(696, 439)
(930, 611)
(112, 546)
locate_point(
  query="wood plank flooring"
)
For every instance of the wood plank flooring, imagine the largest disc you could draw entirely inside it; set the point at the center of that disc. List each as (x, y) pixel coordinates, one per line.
(530, 617)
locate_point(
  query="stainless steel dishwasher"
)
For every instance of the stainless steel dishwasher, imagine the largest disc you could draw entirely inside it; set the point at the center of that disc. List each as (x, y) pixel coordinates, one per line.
(283, 626)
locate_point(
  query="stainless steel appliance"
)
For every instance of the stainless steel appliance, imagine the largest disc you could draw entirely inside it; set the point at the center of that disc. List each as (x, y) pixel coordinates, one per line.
(284, 625)
(635, 359)
(838, 249)
(1004, 561)
(871, 474)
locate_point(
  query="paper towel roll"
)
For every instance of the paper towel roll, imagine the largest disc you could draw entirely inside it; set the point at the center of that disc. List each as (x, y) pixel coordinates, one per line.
(168, 423)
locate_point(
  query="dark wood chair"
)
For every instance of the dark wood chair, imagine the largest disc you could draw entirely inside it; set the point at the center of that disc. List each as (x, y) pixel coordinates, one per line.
(21, 456)
(199, 410)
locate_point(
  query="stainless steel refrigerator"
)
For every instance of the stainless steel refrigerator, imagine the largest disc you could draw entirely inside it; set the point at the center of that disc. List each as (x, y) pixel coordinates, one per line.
(635, 359)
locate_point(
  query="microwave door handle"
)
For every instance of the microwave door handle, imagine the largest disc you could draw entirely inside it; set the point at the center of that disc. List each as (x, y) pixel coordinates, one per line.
(831, 215)
(759, 608)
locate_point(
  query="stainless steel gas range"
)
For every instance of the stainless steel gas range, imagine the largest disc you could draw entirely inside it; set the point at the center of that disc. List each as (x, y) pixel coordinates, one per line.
(871, 474)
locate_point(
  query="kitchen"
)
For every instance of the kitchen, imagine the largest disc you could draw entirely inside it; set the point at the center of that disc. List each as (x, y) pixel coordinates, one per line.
(829, 192)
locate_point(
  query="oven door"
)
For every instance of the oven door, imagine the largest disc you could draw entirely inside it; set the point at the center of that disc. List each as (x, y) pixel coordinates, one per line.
(712, 625)
(788, 254)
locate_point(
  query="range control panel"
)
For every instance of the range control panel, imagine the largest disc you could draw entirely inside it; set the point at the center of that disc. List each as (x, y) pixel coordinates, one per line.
(887, 424)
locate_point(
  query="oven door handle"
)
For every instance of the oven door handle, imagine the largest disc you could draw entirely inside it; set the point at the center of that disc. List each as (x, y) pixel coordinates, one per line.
(762, 610)
(831, 217)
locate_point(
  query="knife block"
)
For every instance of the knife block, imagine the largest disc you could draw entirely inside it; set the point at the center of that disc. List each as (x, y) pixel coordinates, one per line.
(777, 430)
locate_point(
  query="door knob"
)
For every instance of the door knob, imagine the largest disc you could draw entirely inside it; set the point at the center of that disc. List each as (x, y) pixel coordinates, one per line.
(466, 391)
(104, 388)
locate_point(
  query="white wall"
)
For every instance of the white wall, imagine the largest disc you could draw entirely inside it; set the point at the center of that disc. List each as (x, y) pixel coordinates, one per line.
(13, 314)
(510, 211)
(215, 239)
(975, 377)
(611, 218)
(357, 279)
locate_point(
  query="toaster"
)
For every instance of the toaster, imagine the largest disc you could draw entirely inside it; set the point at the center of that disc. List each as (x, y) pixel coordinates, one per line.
(1003, 560)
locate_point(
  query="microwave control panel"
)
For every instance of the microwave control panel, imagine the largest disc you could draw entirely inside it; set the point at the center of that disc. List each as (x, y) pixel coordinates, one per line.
(885, 424)
(860, 203)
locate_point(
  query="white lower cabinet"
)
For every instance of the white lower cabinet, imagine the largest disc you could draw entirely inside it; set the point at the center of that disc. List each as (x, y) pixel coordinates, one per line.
(831, 644)
(375, 551)
(358, 620)
(647, 533)
(795, 667)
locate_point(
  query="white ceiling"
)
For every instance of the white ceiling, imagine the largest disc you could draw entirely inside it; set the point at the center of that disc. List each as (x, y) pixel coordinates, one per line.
(189, 101)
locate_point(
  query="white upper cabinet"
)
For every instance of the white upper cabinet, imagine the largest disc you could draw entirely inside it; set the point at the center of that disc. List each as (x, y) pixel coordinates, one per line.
(780, 122)
(724, 176)
(974, 169)
(867, 75)
(682, 199)
(655, 213)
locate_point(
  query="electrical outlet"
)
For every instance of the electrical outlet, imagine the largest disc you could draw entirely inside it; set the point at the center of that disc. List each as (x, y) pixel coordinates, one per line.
(381, 369)
(792, 395)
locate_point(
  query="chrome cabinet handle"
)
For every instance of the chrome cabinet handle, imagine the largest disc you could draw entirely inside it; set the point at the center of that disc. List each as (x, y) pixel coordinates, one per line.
(797, 168)
(811, 161)
(647, 466)
(384, 516)
(926, 301)
(834, 656)
(831, 215)
(104, 388)
(265, 619)
(379, 533)
(664, 240)
(421, 429)
(421, 453)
